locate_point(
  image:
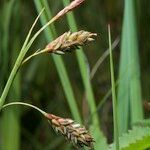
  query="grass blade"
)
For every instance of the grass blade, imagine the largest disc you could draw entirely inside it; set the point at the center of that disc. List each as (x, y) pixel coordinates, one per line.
(114, 100)
(129, 90)
(7, 13)
(51, 32)
(95, 127)
(11, 118)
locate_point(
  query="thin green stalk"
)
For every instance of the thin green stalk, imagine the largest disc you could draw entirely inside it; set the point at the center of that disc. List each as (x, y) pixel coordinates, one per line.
(23, 52)
(17, 65)
(50, 33)
(102, 58)
(82, 61)
(114, 100)
(25, 104)
(106, 96)
(38, 52)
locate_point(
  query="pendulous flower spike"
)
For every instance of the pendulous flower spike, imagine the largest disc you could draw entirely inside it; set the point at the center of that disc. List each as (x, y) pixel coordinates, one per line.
(72, 131)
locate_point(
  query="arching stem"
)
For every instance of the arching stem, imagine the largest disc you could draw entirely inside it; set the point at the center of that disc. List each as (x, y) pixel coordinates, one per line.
(34, 54)
(25, 104)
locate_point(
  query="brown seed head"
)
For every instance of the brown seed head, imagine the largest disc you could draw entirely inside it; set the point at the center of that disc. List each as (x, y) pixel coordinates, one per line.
(70, 41)
(73, 132)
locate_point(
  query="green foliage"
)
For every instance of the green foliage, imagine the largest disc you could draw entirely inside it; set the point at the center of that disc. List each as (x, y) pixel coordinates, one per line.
(83, 66)
(36, 79)
(143, 123)
(10, 121)
(114, 100)
(6, 14)
(129, 89)
(137, 138)
(10, 130)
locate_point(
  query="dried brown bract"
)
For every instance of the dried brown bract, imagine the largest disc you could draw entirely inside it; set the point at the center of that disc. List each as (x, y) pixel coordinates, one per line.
(68, 8)
(73, 132)
(70, 41)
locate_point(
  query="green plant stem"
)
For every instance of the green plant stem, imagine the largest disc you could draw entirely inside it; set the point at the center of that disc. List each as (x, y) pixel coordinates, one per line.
(11, 78)
(25, 104)
(114, 100)
(33, 55)
(19, 60)
(17, 64)
(82, 61)
(102, 58)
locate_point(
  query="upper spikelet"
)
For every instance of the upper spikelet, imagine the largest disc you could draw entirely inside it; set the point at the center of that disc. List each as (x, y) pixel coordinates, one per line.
(69, 41)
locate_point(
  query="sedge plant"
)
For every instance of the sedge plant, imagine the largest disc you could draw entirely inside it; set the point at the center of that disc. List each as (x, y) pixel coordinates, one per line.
(74, 132)
(78, 135)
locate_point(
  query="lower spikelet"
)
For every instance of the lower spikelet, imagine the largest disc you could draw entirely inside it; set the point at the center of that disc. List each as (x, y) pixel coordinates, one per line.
(73, 132)
(70, 41)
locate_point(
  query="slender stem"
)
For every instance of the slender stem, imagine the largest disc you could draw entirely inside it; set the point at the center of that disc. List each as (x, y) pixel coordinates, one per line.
(39, 31)
(114, 100)
(84, 70)
(102, 58)
(30, 31)
(25, 104)
(34, 54)
(17, 64)
(19, 60)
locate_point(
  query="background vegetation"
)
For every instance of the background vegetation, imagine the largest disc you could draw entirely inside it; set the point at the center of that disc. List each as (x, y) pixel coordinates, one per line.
(69, 85)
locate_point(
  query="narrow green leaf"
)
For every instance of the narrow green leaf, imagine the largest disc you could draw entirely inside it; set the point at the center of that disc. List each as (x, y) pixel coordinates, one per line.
(82, 61)
(6, 14)
(129, 90)
(114, 100)
(19, 60)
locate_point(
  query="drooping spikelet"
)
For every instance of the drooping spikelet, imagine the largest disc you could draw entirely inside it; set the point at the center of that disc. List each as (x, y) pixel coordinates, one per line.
(73, 132)
(70, 41)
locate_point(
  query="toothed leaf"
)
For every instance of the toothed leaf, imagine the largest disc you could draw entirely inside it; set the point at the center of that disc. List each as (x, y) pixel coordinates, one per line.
(136, 139)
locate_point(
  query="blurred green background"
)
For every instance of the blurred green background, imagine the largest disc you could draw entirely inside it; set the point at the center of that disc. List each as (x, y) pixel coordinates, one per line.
(57, 83)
